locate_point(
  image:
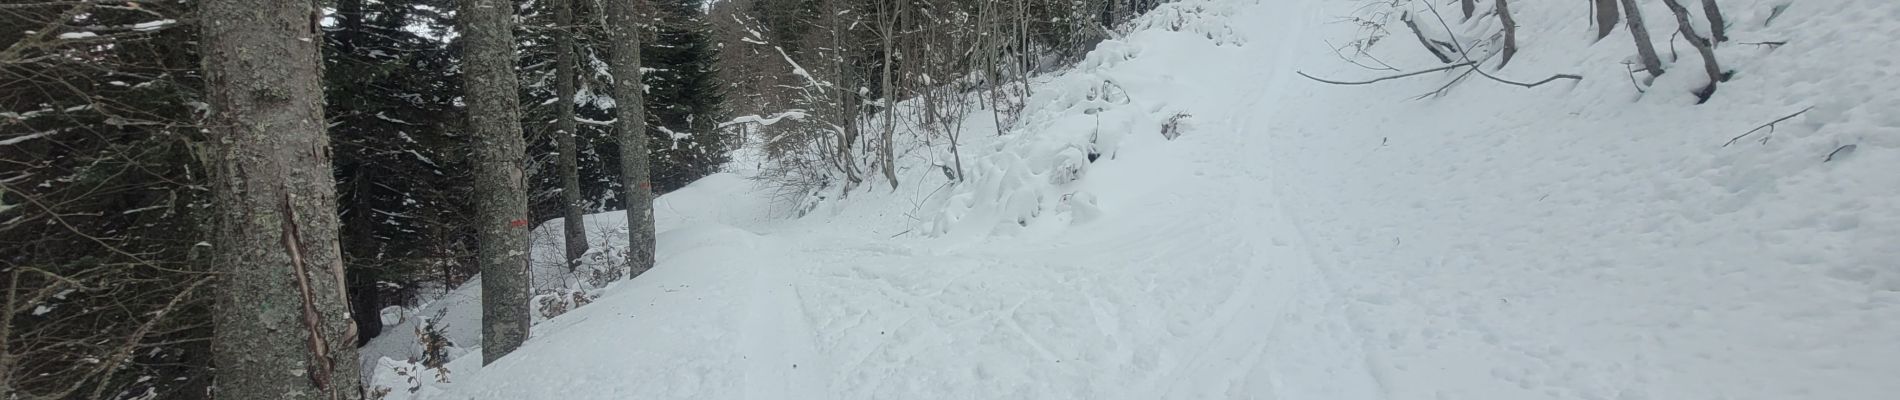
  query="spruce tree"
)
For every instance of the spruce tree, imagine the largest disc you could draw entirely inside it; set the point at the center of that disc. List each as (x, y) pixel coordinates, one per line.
(683, 97)
(401, 174)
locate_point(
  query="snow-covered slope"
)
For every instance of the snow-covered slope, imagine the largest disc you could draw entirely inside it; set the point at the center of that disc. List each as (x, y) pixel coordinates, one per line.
(1577, 240)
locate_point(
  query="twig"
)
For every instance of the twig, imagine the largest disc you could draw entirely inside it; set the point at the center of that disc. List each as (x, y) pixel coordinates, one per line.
(1632, 69)
(1771, 44)
(1343, 57)
(1575, 77)
(1404, 75)
(1770, 126)
(1848, 149)
(1442, 90)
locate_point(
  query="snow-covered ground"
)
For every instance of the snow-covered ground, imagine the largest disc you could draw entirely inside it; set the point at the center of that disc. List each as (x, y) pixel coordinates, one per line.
(1578, 240)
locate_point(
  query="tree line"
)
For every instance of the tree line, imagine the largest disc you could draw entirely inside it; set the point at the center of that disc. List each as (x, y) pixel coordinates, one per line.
(245, 184)
(847, 82)
(229, 191)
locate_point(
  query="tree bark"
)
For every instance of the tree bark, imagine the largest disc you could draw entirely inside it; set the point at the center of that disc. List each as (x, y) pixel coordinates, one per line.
(1606, 17)
(501, 200)
(1718, 27)
(283, 328)
(1702, 46)
(573, 225)
(1645, 49)
(625, 26)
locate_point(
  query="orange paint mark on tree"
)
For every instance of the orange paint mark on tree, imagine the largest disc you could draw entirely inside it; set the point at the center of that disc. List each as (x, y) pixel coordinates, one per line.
(519, 223)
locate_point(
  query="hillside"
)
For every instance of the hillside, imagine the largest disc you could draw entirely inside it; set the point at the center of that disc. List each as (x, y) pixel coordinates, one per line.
(1297, 240)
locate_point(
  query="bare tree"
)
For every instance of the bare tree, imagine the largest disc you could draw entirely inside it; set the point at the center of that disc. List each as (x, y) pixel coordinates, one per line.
(1645, 48)
(1702, 45)
(890, 19)
(1437, 48)
(624, 22)
(1510, 32)
(1606, 17)
(501, 201)
(1718, 27)
(1469, 6)
(284, 329)
(573, 225)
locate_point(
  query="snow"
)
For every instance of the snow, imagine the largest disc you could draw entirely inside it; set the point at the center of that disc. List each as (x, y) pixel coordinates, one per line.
(153, 25)
(767, 120)
(23, 138)
(1578, 240)
(77, 35)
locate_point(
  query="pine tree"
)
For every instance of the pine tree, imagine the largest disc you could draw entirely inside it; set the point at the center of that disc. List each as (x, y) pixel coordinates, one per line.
(631, 125)
(501, 196)
(574, 230)
(684, 99)
(401, 172)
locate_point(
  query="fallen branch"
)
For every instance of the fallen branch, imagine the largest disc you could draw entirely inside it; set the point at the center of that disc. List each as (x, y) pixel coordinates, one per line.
(1770, 126)
(1840, 152)
(1404, 75)
(1573, 77)
(1468, 64)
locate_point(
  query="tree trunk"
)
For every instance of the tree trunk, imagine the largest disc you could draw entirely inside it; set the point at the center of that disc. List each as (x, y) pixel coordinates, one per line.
(1718, 27)
(885, 151)
(283, 328)
(625, 27)
(1469, 6)
(1510, 32)
(1606, 17)
(1410, 23)
(501, 200)
(573, 225)
(1702, 46)
(1645, 48)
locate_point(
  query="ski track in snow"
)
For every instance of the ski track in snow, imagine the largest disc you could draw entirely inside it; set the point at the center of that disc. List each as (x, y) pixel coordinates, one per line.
(1289, 246)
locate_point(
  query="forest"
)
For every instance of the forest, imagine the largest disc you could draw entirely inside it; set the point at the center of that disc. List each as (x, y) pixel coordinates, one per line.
(957, 199)
(170, 166)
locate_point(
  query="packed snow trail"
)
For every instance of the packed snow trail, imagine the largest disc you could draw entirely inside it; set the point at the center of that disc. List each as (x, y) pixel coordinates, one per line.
(1299, 241)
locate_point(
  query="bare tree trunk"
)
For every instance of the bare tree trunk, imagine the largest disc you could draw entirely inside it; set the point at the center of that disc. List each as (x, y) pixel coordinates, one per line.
(283, 329)
(1606, 17)
(1510, 32)
(573, 225)
(501, 200)
(1469, 6)
(1645, 48)
(892, 19)
(1718, 27)
(1436, 52)
(1702, 46)
(625, 27)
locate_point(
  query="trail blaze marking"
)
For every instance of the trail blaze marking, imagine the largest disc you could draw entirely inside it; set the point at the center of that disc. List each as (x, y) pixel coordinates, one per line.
(518, 223)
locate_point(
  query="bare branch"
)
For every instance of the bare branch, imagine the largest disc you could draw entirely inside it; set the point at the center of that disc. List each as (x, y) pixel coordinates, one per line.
(1770, 126)
(1404, 75)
